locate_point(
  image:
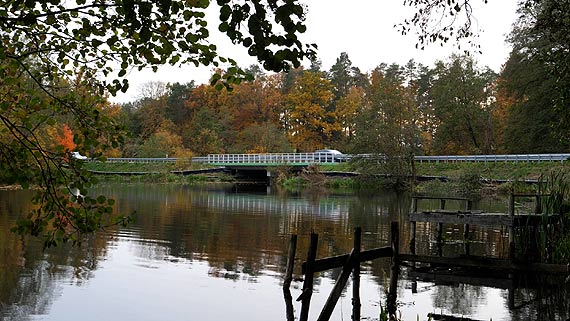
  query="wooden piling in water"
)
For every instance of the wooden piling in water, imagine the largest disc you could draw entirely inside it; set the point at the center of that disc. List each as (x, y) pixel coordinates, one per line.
(308, 283)
(511, 209)
(356, 275)
(413, 227)
(395, 240)
(290, 262)
(466, 241)
(394, 269)
(289, 310)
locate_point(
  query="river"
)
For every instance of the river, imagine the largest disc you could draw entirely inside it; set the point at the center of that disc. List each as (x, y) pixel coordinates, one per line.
(219, 253)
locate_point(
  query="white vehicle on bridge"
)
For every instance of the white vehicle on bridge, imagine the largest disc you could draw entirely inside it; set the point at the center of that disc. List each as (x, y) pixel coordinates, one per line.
(329, 156)
(76, 155)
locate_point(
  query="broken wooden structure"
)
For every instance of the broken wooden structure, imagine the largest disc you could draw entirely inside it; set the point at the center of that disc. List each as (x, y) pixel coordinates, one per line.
(422, 267)
(468, 217)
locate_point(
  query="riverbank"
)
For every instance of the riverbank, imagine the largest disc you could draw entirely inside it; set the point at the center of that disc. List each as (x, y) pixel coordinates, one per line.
(491, 171)
(459, 178)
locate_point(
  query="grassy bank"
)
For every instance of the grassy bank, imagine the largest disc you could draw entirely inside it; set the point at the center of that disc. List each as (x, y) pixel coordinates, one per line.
(461, 175)
(153, 173)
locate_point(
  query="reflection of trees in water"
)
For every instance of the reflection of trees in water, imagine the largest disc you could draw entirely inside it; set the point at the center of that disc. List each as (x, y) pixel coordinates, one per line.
(31, 290)
(545, 302)
(459, 299)
(29, 276)
(249, 232)
(32, 295)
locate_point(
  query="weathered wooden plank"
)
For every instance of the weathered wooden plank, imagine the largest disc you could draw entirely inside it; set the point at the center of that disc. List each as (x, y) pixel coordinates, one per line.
(453, 279)
(461, 217)
(440, 198)
(487, 263)
(479, 218)
(338, 261)
(337, 289)
(443, 317)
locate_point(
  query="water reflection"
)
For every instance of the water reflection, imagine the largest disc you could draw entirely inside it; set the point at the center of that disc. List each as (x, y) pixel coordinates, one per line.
(214, 253)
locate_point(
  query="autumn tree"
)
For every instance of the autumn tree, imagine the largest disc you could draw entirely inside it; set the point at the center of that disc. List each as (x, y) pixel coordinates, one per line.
(263, 138)
(347, 108)
(65, 138)
(312, 123)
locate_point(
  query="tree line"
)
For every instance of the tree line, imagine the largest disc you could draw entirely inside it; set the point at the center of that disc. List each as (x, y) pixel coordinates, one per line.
(452, 108)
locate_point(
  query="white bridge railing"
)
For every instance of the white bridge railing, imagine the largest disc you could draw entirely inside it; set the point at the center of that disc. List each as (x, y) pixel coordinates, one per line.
(282, 158)
(310, 158)
(495, 158)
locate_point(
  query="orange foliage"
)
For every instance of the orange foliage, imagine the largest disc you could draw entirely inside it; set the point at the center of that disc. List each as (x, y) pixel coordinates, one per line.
(65, 138)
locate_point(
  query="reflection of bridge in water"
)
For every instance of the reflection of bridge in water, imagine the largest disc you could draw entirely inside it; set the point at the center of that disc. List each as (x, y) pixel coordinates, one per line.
(268, 204)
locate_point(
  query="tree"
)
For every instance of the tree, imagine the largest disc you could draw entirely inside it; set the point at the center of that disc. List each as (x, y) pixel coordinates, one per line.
(176, 111)
(541, 40)
(263, 138)
(386, 126)
(532, 121)
(312, 124)
(46, 43)
(344, 76)
(461, 96)
(161, 144)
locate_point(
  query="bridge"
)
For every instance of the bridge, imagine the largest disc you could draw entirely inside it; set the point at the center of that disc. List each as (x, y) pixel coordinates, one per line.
(304, 159)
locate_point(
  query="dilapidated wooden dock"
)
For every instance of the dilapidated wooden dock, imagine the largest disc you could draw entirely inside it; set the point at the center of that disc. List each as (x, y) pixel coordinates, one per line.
(463, 269)
(468, 217)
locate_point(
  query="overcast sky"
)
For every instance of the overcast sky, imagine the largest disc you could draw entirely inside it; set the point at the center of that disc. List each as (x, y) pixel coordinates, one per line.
(365, 30)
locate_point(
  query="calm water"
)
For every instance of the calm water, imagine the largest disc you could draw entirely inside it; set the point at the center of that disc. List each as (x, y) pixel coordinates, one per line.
(218, 253)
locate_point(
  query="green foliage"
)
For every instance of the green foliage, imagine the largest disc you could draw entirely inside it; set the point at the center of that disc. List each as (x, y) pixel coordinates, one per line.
(59, 59)
(469, 183)
(460, 95)
(543, 35)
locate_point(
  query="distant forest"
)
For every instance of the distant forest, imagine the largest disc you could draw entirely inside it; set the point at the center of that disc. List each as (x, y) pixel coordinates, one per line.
(453, 108)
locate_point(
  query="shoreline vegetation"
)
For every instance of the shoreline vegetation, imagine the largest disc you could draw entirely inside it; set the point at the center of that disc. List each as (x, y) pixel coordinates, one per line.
(467, 179)
(459, 178)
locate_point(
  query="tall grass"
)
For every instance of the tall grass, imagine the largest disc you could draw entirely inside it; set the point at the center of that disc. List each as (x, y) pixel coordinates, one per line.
(553, 238)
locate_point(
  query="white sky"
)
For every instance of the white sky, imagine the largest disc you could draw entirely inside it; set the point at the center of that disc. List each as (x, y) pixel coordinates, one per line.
(362, 28)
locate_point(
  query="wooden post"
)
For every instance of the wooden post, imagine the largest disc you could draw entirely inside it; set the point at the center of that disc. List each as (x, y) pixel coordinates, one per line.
(468, 205)
(538, 204)
(356, 275)
(308, 284)
(440, 229)
(290, 262)
(466, 244)
(414, 204)
(466, 238)
(512, 226)
(395, 240)
(511, 292)
(413, 237)
(413, 227)
(289, 310)
(394, 272)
